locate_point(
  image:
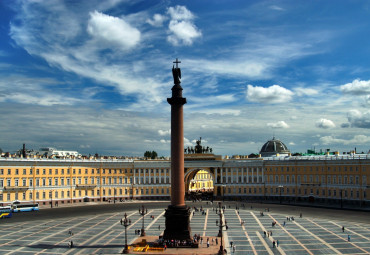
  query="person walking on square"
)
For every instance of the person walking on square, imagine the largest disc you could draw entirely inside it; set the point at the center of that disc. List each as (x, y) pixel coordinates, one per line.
(277, 243)
(207, 244)
(343, 229)
(273, 244)
(234, 248)
(349, 238)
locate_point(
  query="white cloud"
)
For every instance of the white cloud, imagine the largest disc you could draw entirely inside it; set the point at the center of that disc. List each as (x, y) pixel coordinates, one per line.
(357, 87)
(112, 30)
(276, 8)
(157, 20)
(324, 123)
(180, 13)
(271, 95)
(305, 91)
(279, 124)
(356, 140)
(164, 132)
(359, 119)
(181, 27)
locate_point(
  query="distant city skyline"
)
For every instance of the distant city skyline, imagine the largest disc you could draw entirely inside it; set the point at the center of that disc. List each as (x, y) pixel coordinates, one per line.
(94, 76)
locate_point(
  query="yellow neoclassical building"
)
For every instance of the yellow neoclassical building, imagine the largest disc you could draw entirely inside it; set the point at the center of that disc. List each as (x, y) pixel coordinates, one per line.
(328, 178)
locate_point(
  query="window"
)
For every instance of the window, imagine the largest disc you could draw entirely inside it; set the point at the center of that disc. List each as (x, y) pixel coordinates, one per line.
(50, 181)
(8, 182)
(43, 181)
(30, 181)
(1, 184)
(16, 171)
(56, 181)
(24, 171)
(16, 182)
(9, 171)
(50, 171)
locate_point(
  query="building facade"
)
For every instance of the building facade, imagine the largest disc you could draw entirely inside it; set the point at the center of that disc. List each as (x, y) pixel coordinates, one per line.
(329, 179)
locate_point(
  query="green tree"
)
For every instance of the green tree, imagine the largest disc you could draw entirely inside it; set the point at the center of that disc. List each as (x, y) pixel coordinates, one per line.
(151, 154)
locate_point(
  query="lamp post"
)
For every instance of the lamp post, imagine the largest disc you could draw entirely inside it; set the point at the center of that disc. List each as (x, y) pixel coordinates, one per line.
(143, 212)
(220, 234)
(114, 195)
(51, 199)
(280, 187)
(125, 223)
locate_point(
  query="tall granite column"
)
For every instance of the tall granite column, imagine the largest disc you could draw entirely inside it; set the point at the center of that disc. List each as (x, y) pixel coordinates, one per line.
(177, 214)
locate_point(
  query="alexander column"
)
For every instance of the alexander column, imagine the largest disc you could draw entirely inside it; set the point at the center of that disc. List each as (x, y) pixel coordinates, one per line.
(177, 214)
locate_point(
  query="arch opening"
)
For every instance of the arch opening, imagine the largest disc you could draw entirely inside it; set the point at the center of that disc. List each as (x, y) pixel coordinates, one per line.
(199, 184)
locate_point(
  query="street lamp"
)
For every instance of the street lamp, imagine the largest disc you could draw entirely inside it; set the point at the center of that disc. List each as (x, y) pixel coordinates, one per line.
(51, 199)
(143, 212)
(220, 234)
(125, 223)
(114, 195)
(280, 187)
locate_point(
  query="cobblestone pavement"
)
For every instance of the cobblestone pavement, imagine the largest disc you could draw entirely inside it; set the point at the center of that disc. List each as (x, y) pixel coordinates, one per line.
(102, 233)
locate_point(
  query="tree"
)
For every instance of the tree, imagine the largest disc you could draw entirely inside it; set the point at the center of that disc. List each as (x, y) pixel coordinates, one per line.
(151, 154)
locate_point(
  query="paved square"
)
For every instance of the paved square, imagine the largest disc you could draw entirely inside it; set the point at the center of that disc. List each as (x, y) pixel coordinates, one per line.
(102, 233)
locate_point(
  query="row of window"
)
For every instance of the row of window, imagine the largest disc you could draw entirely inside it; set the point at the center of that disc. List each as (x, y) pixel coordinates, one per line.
(286, 191)
(329, 179)
(79, 171)
(67, 181)
(61, 194)
(316, 168)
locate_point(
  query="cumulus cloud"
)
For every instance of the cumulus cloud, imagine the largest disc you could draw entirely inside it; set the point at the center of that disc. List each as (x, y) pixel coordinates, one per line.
(112, 30)
(324, 123)
(357, 87)
(271, 95)
(279, 124)
(359, 119)
(181, 27)
(164, 132)
(157, 20)
(357, 139)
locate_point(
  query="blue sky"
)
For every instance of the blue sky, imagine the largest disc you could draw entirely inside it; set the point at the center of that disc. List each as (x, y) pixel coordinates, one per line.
(94, 76)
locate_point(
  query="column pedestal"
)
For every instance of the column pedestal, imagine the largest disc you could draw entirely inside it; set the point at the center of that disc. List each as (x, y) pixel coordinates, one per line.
(177, 223)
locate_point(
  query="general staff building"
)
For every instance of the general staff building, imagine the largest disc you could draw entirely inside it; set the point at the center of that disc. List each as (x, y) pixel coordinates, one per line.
(328, 178)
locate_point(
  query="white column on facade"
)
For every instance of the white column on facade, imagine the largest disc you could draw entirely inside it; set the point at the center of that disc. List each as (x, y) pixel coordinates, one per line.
(242, 169)
(144, 176)
(160, 175)
(221, 180)
(134, 176)
(252, 175)
(149, 176)
(247, 174)
(156, 176)
(227, 175)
